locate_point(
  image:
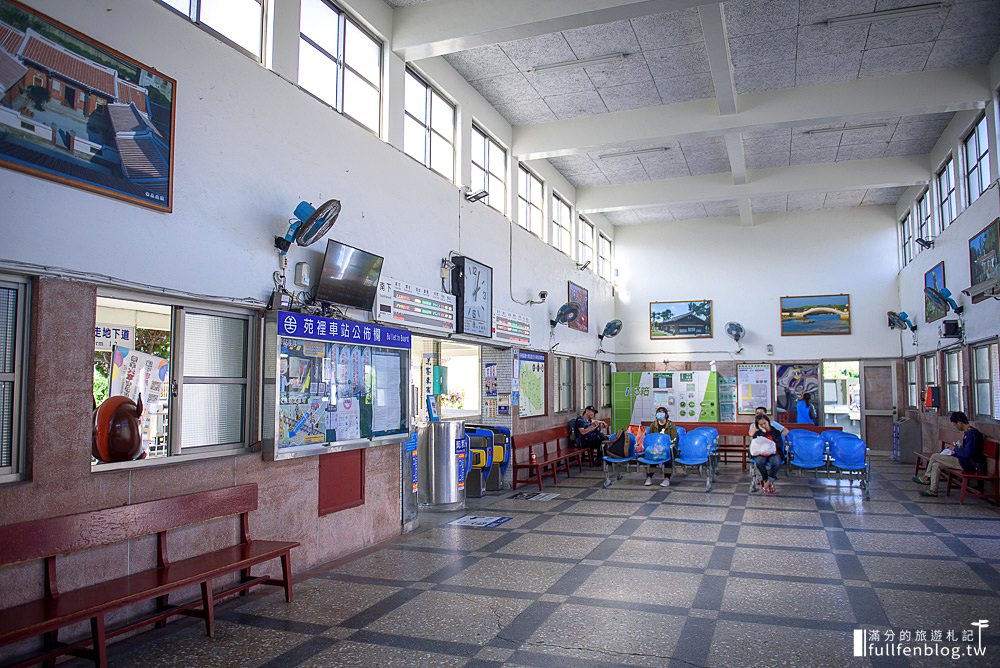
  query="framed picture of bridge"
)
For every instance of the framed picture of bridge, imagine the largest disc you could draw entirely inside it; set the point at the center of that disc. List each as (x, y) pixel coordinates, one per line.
(815, 315)
(75, 111)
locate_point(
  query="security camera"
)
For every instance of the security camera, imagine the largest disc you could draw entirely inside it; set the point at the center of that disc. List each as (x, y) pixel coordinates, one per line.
(543, 295)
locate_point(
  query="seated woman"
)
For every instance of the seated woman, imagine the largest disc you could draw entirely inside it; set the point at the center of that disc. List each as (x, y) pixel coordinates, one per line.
(662, 425)
(768, 465)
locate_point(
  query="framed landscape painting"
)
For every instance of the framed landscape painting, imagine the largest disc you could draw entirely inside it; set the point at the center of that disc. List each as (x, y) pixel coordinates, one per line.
(582, 297)
(680, 320)
(815, 315)
(934, 278)
(80, 113)
(984, 249)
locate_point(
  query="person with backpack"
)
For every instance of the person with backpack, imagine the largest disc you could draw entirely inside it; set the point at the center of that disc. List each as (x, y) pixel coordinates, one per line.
(805, 412)
(591, 433)
(662, 425)
(967, 456)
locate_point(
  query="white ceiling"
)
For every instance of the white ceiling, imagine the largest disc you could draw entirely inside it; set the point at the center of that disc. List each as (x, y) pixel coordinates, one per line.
(758, 47)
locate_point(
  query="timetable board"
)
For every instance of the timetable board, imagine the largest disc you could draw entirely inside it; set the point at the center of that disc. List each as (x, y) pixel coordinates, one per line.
(511, 327)
(405, 304)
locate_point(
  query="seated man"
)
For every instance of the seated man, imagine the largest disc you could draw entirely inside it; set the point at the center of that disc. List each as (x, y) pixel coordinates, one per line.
(591, 433)
(968, 456)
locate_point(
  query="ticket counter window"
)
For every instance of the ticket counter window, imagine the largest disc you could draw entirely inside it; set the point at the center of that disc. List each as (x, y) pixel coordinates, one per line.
(463, 364)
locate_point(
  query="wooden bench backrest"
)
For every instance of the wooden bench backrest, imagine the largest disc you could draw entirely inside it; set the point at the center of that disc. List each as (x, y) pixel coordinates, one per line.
(53, 536)
(991, 452)
(541, 436)
(740, 428)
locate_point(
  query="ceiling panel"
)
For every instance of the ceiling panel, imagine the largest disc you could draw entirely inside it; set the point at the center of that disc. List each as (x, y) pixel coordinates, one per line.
(576, 104)
(765, 47)
(891, 60)
(746, 17)
(753, 145)
(482, 62)
(599, 40)
(559, 83)
(763, 77)
(630, 96)
(579, 163)
(823, 40)
(525, 110)
(806, 201)
(675, 61)
(682, 89)
(669, 29)
(808, 156)
(766, 160)
(587, 180)
(827, 69)
(844, 198)
(911, 147)
(724, 208)
(627, 217)
(972, 19)
(960, 53)
(685, 211)
(905, 30)
(881, 196)
(769, 204)
(868, 151)
(631, 69)
(654, 214)
(818, 11)
(540, 50)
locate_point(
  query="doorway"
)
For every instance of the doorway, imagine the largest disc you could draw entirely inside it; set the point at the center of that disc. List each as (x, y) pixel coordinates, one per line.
(69, 96)
(842, 395)
(878, 404)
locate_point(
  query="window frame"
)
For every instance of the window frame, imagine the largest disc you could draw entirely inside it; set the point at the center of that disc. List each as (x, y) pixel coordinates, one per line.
(487, 168)
(341, 65)
(430, 93)
(565, 387)
(561, 209)
(929, 362)
(605, 263)
(953, 381)
(906, 239)
(607, 388)
(525, 180)
(947, 205)
(924, 217)
(912, 394)
(974, 172)
(989, 380)
(581, 224)
(15, 472)
(586, 365)
(194, 16)
(250, 426)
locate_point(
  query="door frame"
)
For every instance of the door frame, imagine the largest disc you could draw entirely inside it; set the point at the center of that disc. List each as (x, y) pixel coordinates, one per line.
(892, 412)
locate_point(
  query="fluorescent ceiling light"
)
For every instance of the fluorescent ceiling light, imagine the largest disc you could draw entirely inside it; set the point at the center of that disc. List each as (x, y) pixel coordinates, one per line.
(820, 131)
(583, 62)
(638, 151)
(885, 14)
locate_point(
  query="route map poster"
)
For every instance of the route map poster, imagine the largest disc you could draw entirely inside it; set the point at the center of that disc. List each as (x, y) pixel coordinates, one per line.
(532, 380)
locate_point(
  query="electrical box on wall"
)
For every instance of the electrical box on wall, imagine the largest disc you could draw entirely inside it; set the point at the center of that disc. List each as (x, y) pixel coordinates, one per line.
(932, 398)
(951, 329)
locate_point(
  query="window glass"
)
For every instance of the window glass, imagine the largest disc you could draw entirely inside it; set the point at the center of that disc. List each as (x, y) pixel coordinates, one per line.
(603, 257)
(905, 240)
(320, 24)
(588, 398)
(241, 21)
(564, 380)
(585, 243)
(605, 383)
(946, 193)
(317, 73)
(978, 176)
(529, 194)
(442, 116)
(429, 127)
(911, 383)
(442, 156)
(561, 234)
(953, 379)
(415, 98)
(982, 381)
(464, 377)
(362, 53)
(13, 327)
(183, 6)
(361, 101)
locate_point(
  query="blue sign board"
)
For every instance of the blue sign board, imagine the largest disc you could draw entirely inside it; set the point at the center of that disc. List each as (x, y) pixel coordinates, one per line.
(305, 326)
(528, 356)
(461, 454)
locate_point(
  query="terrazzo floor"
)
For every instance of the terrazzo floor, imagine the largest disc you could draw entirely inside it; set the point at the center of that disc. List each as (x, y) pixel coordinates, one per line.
(639, 576)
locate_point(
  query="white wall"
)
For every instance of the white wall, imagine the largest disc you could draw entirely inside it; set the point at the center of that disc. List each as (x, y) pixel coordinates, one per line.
(745, 270)
(249, 145)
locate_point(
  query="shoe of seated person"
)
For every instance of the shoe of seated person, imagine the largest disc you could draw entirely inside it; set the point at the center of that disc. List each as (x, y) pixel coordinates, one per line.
(921, 481)
(928, 492)
(649, 481)
(665, 482)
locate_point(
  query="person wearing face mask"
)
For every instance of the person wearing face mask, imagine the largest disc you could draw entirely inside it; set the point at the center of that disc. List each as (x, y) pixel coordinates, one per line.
(662, 425)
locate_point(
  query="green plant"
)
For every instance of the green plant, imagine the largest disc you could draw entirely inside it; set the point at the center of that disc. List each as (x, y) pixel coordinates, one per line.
(38, 95)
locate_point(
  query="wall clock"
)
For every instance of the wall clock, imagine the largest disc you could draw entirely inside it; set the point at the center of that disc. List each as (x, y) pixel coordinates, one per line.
(472, 283)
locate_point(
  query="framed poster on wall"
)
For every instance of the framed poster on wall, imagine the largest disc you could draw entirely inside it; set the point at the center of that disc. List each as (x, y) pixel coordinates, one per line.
(531, 367)
(793, 381)
(933, 278)
(753, 387)
(579, 295)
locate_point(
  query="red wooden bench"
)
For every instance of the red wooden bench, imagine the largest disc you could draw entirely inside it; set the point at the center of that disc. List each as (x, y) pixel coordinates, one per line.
(961, 479)
(552, 451)
(49, 538)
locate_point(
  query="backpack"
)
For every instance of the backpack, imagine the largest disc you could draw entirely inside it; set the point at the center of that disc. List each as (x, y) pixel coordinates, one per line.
(574, 432)
(618, 447)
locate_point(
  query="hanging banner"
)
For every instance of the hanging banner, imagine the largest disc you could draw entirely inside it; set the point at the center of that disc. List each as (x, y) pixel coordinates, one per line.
(753, 387)
(134, 373)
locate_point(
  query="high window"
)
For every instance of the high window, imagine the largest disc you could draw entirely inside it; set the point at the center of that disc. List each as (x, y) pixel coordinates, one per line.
(604, 257)
(585, 242)
(191, 366)
(953, 380)
(984, 372)
(564, 384)
(905, 240)
(977, 163)
(429, 127)
(13, 339)
(911, 384)
(946, 193)
(489, 169)
(587, 396)
(924, 216)
(238, 21)
(562, 217)
(340, 63)
(529, 201)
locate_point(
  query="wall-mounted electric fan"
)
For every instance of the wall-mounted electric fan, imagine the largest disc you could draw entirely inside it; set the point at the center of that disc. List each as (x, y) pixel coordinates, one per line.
(566, 314)
(611, 330)
(900, 321)
(943, 300)
(736, 332)
(309, 224)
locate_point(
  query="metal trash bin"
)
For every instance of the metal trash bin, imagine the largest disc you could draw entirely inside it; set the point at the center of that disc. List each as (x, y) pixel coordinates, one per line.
(443, 463)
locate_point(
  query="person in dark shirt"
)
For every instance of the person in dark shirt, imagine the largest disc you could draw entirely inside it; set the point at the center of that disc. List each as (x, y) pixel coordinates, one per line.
(768, 465)
(968, 456)
(591, 433)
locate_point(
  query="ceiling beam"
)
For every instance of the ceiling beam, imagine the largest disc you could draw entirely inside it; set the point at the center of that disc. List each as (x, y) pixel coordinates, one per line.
(737, 156)
(823, 177)
(746, 212)
(902, 95)
(439, 27)
(713, 25)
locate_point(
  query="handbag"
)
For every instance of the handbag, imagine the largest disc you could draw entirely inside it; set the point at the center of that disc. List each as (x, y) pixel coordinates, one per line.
(762, 447)
(618, 447)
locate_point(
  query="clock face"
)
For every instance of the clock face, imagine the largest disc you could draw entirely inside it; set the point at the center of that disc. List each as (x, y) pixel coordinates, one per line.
(477, 303)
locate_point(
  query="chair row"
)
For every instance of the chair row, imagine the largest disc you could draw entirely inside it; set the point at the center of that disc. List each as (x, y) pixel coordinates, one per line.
(831, 452)
(695, 449)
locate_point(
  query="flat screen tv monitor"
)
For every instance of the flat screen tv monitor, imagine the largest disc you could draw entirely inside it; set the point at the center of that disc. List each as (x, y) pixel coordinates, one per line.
(349, 276)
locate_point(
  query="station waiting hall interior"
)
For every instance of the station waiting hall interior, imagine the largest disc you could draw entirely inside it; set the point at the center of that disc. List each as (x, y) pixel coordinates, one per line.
(354, 268)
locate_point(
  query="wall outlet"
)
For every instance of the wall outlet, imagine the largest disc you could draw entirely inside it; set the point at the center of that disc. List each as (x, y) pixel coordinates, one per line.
(302, 278)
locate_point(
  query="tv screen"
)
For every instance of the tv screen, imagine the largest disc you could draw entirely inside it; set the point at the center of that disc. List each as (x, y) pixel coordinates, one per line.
(349, 276)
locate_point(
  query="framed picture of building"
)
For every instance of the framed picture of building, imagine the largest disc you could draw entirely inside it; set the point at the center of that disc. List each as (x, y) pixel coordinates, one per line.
(984, 248)
(934, 278)
(815, 315)
(580, 295)
(680, 320)
(76, 111)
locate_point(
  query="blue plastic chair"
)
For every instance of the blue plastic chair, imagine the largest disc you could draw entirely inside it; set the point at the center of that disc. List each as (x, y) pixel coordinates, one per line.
(695, 449)
(615, 461)
(850, 456)
(806, 451)
(714, 448)
(657, 450)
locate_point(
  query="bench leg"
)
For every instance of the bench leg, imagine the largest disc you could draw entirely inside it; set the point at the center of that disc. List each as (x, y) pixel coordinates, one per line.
(286, 573)
(50, 639)
(244, 576)
(99, 639)
(538, 476)
(162, 602)
(208, 607)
